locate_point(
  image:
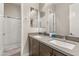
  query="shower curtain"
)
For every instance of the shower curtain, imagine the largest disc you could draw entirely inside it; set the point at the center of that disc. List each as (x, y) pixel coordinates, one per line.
(12, 35)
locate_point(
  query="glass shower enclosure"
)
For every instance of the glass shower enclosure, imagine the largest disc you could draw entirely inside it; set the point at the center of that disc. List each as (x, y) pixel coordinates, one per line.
(10, 29)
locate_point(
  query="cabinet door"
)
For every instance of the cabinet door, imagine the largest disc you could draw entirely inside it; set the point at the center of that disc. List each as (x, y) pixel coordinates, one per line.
(45, 50)
(30, 46)
(34, 47)
(56, 53)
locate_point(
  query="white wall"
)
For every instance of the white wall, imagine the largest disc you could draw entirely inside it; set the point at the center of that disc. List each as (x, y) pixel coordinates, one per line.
(1, 27)
(12, 10)
(25, 28)
(74, 19)
(1, 9)
(62, 19)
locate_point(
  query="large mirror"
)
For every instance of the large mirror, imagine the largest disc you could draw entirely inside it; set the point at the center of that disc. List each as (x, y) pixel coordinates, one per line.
(60, 18)
(47, 17)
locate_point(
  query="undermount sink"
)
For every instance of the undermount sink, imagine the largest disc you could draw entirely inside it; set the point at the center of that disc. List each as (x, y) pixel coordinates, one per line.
(37, 36)
(63, 44)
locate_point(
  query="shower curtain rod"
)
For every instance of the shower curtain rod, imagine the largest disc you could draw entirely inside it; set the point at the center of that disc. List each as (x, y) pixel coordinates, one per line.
(12, 17)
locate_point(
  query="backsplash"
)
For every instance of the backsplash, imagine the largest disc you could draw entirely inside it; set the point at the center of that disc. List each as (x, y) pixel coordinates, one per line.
(76, 39)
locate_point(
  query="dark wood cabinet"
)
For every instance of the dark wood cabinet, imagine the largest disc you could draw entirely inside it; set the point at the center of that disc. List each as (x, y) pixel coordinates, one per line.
(33, 47)
(37, 48)
(57, 53)
(45, 50)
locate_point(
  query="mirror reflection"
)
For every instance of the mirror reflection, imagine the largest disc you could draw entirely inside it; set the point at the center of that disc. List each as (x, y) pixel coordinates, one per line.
(61, 19)
(33, 17)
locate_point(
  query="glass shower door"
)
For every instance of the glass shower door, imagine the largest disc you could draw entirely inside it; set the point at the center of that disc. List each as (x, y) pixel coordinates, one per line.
(1, 27)
(1, 35)
(12, 35)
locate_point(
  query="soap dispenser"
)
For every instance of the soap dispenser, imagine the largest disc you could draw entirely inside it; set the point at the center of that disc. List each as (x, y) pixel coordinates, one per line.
(52, 35)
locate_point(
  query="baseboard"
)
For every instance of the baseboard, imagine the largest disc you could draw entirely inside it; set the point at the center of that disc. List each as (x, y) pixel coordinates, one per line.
(27, 54)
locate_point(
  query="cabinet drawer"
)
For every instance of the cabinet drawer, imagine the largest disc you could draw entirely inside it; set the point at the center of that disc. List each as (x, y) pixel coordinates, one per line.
(57, 53)
(34, 47)
(37, 48)
(45, 50)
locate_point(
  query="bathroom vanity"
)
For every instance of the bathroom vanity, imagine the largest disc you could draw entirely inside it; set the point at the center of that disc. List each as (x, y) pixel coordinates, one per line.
(40, 45)
(37, 48)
